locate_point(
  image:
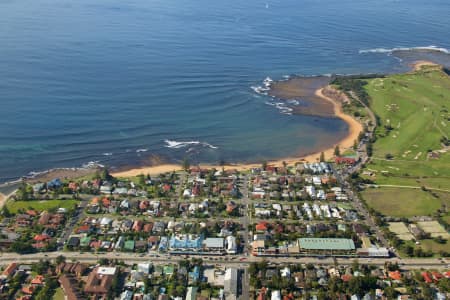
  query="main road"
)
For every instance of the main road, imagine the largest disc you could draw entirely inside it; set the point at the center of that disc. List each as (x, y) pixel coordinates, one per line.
(228, 261)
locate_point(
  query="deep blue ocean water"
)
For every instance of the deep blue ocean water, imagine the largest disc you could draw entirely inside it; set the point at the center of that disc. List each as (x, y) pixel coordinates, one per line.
(110, 81)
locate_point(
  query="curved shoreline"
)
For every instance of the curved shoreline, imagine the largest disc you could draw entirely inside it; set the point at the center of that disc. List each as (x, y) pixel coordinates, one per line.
(354, 128)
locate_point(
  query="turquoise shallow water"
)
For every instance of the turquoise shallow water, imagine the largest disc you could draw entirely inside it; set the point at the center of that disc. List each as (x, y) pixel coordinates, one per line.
(111, 81)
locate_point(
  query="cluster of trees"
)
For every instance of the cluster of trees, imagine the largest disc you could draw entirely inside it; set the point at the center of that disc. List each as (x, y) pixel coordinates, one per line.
(355, 84)
(25, 192)
(416, 251)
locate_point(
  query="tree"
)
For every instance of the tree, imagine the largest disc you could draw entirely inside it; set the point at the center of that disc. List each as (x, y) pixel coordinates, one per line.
(322, 156)
(22, 247)
(141, 179)
(104, 175)
(337, 151)
(355, 265)
(409, 250)
(444, 285)
(186, 164)
(60, 259)
(264, 165)
(5, 212)
(355, 145)
(390, 292)
(24, 192)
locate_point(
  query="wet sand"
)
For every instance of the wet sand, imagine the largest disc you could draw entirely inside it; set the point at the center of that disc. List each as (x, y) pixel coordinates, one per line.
(63, 173)
(330, 106)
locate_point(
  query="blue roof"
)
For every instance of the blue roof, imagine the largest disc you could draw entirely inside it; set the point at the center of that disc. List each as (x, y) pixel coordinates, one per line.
(54, 183)
(195, 274)
(186, 242)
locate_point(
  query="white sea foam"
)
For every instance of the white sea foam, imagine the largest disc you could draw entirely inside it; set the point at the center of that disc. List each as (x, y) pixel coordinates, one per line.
(260, 90)
(390, 50)
(107, 154)
(141, 150)
(281, 106)
(267, 82)
(177, 145)
(92, 164)
(293, 102)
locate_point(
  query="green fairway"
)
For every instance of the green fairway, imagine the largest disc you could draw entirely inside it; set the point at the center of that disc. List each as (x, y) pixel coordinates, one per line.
(403, 202)
(413, 111)
(40, 205)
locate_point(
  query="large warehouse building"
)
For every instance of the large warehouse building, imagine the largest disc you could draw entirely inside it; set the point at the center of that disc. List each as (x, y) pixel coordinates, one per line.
(326, 246)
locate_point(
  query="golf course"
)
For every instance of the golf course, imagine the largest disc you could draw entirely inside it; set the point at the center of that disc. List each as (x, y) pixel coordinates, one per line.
(410, 164)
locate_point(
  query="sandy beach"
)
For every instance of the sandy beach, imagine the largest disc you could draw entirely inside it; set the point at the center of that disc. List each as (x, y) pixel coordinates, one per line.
(2, 200)
(422, 63)
(354, 129)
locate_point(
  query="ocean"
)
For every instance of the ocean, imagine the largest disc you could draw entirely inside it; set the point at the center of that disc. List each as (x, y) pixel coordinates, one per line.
(126, 83)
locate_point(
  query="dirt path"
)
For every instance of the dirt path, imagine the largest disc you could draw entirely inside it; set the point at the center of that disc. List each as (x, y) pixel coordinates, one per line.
(412, 187)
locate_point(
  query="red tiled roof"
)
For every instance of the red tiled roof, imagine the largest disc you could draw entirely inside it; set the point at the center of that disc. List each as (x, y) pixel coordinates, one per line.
(32, 212)
(39, 279)
(346, 277)
(106, 202)
(262, 226)
(437, 276)
(426, 276)
(10, 269)
(41, 237)
(395, 275)
(28, 290)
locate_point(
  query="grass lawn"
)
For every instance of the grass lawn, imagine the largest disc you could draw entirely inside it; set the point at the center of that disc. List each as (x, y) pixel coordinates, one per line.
(426, 245)
(59, 294)
(413, 109)
(402, 202)
(40, 205)
(446, 218)
(430, 245)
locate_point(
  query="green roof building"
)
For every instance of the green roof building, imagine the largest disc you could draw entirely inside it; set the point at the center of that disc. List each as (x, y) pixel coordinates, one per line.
(129, 245)
(328, 246)
(168, 270)
(85, 241)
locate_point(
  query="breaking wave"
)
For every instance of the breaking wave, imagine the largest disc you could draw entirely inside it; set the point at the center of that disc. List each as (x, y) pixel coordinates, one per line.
(391, 50)
(264, 88)
(177, 145)
(281, 106)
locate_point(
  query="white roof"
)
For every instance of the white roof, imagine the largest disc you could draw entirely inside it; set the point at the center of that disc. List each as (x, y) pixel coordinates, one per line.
(105, 221)
(106, 270)
(213, 242)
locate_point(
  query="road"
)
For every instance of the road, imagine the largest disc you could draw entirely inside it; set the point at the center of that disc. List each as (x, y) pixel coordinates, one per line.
(73, 221)
(243, 187)
(236, 262)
